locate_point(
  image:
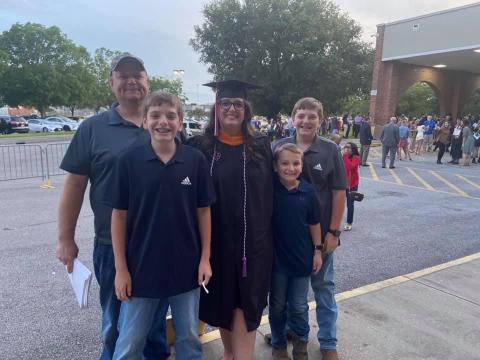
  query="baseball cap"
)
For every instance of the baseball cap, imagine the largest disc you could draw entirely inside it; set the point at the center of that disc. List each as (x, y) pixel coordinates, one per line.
(118, 59)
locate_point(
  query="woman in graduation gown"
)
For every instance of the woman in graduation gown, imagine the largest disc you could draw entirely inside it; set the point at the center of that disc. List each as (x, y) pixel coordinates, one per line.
(242, 248)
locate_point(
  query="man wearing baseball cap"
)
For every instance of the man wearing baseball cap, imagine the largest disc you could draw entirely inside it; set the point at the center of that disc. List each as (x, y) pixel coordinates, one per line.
(91, 157)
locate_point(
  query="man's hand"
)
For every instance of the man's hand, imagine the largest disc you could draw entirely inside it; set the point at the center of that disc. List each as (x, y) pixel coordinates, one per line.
(123, 285)
(317, 261)
(204, 272)
(66, 253)
(331, 243)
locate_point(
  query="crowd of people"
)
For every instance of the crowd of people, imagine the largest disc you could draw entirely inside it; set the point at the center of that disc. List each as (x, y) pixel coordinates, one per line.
(427, 134)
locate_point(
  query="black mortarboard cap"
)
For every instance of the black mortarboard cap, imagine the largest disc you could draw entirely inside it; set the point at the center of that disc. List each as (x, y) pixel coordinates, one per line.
(232, 88)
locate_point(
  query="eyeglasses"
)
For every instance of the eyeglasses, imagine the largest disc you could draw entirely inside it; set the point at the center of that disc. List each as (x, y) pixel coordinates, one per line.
(237, 105)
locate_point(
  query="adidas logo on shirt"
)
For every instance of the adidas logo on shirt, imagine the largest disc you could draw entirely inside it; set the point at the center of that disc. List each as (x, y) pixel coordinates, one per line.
(318, 167)
(186, 181)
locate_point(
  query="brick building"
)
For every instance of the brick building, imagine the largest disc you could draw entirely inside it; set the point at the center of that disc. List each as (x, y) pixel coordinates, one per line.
(441, 49)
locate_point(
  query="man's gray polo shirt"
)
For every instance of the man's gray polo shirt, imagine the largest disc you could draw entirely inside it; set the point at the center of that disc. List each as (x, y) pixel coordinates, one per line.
(323, 168)
(93, 153)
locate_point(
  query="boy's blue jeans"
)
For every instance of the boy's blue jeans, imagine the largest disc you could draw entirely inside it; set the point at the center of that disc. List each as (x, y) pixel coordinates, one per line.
(136, 319)
(104, 265)
(323, 285)
(288, 297)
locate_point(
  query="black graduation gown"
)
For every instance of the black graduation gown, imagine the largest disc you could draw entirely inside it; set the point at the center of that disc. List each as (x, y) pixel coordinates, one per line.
(456, 146)
(228, 288)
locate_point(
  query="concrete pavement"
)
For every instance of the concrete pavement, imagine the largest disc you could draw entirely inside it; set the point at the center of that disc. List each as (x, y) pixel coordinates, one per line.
(430, 314)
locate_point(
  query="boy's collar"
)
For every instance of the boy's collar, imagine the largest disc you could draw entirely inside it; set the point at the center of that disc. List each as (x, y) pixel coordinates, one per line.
(179, 155)
(300, 187)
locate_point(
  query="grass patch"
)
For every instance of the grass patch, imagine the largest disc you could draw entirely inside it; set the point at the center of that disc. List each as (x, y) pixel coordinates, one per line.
(36, 134)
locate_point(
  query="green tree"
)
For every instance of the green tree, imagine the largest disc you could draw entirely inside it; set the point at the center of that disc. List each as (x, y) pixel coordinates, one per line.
(79, 83)
(100, 94)
(37, 59)
(198, 113)
(472, 107)
(418, 100)
(294, 48)
(174, 87)
(355, 104)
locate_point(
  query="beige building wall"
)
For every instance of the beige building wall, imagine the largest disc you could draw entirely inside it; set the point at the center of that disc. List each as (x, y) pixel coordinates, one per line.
(454, 29)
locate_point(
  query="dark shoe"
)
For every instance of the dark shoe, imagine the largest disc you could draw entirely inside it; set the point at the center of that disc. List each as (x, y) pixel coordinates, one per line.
(280, 354)
(383, 166)
(439, 162)
(391, 167)
(329, 354)
(299, 351)
(268, 339)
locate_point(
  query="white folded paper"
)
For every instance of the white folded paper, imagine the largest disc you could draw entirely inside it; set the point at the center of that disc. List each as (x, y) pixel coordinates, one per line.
(80, 278)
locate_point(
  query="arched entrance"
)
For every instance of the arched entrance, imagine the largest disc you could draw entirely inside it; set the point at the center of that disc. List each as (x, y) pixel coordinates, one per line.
(419, 99)
(418, 50)
(472, 104)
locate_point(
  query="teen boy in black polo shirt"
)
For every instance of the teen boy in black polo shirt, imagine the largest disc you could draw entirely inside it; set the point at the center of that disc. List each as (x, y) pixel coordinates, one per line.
(161, 230)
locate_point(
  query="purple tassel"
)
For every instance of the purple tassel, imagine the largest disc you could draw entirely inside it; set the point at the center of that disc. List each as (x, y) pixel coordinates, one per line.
(244, 267)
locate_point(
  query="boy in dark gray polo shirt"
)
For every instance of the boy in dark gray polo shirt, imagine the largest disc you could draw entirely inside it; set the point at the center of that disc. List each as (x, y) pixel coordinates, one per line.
(324, 169)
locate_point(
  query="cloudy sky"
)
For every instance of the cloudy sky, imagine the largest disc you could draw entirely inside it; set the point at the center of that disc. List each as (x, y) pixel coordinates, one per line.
(159, 30)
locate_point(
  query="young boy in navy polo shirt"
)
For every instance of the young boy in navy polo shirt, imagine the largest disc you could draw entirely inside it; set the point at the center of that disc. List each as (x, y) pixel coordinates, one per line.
(297, 249)
(161, 231)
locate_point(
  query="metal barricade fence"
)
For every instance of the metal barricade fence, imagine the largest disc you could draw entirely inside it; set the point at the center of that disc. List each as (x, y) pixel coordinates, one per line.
(54, 154)
(21, 162)
(26, 161)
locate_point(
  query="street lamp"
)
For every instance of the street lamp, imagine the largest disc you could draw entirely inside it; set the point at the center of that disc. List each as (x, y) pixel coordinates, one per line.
(178, 74)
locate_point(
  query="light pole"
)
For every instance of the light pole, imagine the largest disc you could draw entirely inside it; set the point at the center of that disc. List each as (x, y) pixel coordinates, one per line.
(178, 74)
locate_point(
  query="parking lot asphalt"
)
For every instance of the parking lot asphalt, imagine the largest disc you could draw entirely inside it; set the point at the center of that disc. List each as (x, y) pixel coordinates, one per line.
(401, 227)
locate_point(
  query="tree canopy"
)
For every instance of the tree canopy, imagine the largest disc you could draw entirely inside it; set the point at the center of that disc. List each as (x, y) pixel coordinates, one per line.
(174, 87)
(293, 48)
(36, 60)
(40, 67)
(418, 100)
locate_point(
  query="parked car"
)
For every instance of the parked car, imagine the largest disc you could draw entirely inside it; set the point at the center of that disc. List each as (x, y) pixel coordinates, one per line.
(31, 116)
(10, 124)
(40, 125)
(66, 123)
(192, 127)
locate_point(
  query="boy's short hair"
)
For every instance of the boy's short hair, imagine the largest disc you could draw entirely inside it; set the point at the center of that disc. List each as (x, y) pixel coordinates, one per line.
(336, 137)
(308, 103)
(287, 147)
(160, 97)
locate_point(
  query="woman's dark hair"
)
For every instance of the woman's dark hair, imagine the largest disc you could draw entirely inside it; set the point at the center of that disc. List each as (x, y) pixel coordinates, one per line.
(354, 149)
(247, 130)
(466, 122)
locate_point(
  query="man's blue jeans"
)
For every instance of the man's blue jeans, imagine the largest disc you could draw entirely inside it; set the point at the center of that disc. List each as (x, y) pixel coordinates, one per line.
(104, 266)
(288, 295)
(323, 285)
(136, 318)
